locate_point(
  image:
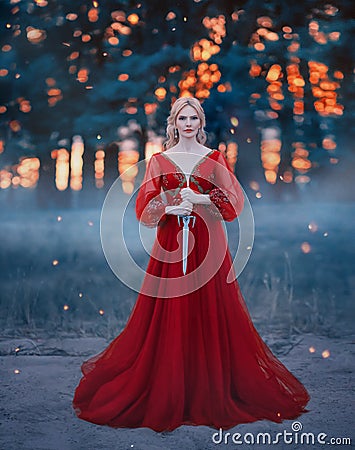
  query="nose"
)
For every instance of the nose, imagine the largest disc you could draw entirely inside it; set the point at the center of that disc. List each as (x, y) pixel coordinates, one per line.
(188, 121)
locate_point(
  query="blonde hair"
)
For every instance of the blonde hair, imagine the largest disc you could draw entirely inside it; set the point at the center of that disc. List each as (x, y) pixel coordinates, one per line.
(175, 109)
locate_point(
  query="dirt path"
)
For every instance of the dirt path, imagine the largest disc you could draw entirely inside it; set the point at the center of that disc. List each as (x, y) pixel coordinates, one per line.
(36, 410)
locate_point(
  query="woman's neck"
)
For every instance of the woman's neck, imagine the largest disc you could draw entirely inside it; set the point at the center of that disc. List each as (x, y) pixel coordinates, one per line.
(187, 145)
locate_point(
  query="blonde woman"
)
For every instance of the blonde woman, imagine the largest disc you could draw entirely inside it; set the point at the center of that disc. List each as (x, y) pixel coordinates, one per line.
(189, 354)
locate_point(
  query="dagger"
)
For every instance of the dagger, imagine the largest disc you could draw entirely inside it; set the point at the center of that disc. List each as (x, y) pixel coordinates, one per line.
(185, 232)
(185, 237)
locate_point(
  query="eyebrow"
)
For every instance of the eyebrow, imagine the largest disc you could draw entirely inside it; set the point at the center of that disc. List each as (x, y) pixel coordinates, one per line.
(194, 115)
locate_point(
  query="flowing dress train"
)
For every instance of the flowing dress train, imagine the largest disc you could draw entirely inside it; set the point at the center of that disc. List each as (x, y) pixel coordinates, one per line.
(189, 353)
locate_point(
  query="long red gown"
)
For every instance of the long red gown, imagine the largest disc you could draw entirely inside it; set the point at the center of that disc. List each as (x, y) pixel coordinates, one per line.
(189, 354)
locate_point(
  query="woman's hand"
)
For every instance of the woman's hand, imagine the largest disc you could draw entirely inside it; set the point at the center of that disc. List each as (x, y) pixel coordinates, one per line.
(183, 209)
(194, 197)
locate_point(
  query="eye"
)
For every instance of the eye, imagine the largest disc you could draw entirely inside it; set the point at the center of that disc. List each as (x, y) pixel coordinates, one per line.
(182, 117)
(194, 118)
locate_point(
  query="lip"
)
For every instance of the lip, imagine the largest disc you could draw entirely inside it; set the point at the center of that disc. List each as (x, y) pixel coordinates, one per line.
(188, 131)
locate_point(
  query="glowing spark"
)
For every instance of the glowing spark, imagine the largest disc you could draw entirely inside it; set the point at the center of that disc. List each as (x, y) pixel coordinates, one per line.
(313, 227)
(312, 349)
(66, 307)
(55, 262)
(16, 371)
(59, 218)
(90, 223)
(234, 121)
(305, 247)
(80, 294)
(325, 353)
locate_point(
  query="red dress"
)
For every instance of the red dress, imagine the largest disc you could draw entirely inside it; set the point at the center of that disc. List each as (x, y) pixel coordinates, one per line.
(189, 354)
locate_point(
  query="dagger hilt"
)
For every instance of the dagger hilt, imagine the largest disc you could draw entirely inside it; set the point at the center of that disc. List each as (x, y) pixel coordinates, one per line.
(186, 220)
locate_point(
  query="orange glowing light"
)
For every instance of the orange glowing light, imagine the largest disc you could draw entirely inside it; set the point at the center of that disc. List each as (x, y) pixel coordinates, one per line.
(329, 144)
(3, 72)
(311, 349)
(338, 74)
(274, 73)
(170, 16)
(50, 81)
(259, 46)
(35, 35)
(15, 126)
(255, 69)
(82, 76)
(287, 29)
(160, 93)
(119, 16)
(325, 354)
(73, 55)
(131, 110)
(25, 106)
(55, 262)
(54, 91)
(127, 53)
(287, 176)
(120, 28)
(305, 247)
(71, 16)
(123, 77)
(113, 40)
(173, 69)
(133, 19)
(271, 36)
(150, 108)
(86, 37)
(313, 227)
(264, 21)
(254, 185)
(93, 15)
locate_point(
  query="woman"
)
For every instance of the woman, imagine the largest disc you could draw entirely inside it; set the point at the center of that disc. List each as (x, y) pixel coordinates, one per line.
(189, 353)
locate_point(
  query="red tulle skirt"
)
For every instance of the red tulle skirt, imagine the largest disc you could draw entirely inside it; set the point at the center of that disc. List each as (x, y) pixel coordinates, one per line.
(193, 359)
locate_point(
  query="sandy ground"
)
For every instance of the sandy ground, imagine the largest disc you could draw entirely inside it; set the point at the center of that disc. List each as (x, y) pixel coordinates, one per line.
(35, 407)
(36, 411)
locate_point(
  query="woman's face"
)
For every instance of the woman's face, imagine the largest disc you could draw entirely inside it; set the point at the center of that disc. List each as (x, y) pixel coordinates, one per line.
(188, 122)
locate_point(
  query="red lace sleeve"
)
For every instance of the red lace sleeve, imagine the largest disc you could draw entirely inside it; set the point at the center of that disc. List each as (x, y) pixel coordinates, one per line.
(151, 202)
(227, 196)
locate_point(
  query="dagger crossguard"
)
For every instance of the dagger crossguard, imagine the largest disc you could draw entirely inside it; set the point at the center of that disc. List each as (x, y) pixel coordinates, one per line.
(186, 220)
